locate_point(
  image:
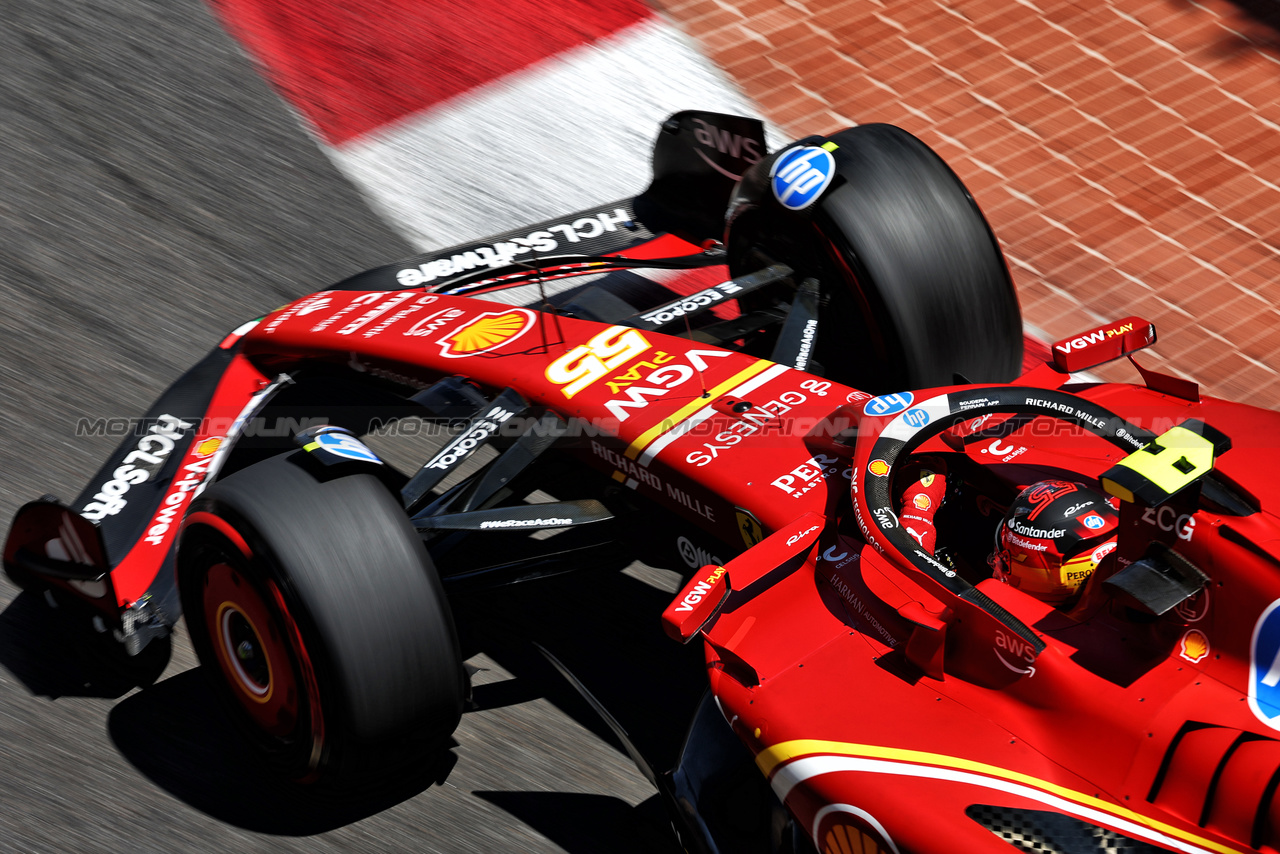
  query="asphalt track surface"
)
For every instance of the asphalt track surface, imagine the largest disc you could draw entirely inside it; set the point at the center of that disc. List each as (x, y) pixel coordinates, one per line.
(155, 193)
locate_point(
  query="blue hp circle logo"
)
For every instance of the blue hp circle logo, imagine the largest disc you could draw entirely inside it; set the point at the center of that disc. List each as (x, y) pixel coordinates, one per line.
(888, 404)
(800, 175)
(346, 446)
(1264, 667)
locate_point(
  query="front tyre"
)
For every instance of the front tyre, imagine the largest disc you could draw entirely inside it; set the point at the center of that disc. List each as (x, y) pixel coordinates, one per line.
(315, 608)
(914, 286)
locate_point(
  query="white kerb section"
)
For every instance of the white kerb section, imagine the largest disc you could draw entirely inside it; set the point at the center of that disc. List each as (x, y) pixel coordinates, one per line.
(570, 132)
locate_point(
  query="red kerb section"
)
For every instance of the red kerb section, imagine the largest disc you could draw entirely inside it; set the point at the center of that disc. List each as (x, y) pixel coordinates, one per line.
(351, 67)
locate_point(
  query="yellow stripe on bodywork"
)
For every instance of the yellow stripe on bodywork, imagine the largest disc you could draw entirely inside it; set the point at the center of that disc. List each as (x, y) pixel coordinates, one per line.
(637, 447)
(771, 758)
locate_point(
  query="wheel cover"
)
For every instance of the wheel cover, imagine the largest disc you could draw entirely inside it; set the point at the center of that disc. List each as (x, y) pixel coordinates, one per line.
(252, 651)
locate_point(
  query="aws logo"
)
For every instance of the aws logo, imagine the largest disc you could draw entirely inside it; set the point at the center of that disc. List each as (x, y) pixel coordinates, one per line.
(486, 333)
(725, 142)
(1021, 653)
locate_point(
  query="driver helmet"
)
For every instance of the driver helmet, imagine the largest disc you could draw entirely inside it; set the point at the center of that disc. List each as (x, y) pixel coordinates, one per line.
(1053, 538)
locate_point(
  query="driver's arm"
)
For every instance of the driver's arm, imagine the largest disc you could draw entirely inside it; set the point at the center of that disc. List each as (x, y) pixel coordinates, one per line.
(920, 499)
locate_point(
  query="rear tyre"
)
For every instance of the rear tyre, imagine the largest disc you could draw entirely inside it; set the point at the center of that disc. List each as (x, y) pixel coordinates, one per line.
(320, 617)
(914, 285)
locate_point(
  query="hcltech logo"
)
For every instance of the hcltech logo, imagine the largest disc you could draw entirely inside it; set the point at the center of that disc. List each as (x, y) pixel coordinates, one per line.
(1264, 667)
(800, 175)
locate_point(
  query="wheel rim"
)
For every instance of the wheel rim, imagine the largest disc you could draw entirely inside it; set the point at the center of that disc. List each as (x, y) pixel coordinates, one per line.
(251, 650)
(242, 646)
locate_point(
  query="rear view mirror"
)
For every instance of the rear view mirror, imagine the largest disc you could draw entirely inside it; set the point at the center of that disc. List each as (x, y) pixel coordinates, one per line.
(1104, 344)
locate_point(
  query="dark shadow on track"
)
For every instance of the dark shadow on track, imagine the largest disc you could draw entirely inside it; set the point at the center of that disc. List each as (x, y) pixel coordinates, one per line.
(604, 626)
(56, 653)
(587, 824)
(177, 734)
(602, 623)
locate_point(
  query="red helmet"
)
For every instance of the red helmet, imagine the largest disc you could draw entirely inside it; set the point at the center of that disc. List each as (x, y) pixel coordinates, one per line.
(1052, 539)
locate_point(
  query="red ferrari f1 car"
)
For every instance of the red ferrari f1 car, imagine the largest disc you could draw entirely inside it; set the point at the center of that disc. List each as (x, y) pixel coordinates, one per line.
(971, 601)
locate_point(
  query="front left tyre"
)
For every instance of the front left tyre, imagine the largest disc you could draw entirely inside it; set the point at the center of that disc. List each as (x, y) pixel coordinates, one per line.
(314, 606)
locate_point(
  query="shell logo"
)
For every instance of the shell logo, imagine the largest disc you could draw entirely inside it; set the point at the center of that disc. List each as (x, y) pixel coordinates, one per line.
(846, 829)
(208, 447)
(878, 467)
(846, 839)
(486, 332)
(921, 501)
(1194, 646)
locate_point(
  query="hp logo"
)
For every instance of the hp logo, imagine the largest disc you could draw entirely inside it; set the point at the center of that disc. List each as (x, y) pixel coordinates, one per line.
(888, 404)
(800, 175)
(916, 418)
(1264, 667)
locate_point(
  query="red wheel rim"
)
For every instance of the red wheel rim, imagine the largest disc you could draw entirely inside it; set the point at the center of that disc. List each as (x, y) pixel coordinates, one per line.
(252, 651)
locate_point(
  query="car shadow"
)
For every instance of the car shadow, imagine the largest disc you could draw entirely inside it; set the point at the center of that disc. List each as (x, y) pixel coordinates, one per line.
(603, 624)
(177, 734)
(586, 824)
(56, 653)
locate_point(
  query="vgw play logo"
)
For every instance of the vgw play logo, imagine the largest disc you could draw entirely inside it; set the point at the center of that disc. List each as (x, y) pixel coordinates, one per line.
(800, 175)
(1264, 667)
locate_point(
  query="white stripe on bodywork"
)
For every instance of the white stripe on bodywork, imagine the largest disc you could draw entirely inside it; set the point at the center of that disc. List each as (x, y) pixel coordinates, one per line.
(251, 408)
(563, 135)
(789, 776)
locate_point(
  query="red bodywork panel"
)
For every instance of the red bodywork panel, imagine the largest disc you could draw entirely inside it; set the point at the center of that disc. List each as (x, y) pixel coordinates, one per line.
(134, 574)
(881, 699)
(824, 669)
(654, 408)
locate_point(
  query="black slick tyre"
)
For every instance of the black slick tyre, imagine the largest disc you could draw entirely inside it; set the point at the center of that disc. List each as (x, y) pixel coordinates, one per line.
(319, 615)
(915, 289)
